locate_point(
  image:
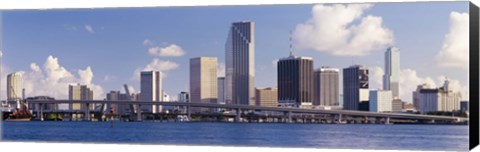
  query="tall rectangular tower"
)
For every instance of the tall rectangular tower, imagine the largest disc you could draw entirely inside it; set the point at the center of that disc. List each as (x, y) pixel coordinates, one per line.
(203, 81)
(355, 87)
(240, 64)
(14, 86)
(151, 89)
(392, 71)
(326, 87)
(79, 92)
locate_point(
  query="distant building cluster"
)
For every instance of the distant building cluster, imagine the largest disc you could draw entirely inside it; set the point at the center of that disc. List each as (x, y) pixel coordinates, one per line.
(299, 84)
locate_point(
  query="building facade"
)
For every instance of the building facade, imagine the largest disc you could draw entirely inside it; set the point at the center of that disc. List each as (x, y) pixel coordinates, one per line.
(355, 87)
(151, 90)
(14, 86)
(121, 109)
(397, 105)
(221, 90)
(380, 101)
(80, 92)
(326, 87)
(267, 97)
(391, 78)
(438, 99)
(295, 80)
(203, 81)
(240, 64)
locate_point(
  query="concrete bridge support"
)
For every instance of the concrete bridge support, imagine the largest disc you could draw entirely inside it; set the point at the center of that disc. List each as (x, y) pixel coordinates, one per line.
(139, 113)
(387, 120)
(238, 115)
(87, 112)
(289, 116)
(189, 112)
(340, 118)
(41, 112)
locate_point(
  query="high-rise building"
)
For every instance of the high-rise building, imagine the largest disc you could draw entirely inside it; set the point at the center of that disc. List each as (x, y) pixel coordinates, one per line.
(14, 86)
(221, 90)
(391, 78)
(267, 97)
(80, 92)
(295, 80)
(240, 64)
(463, 106)
(438, 99)
(326, 87)
(151, 90)
(380, 101)
(203, 81)
(355, 87)
(182, 97)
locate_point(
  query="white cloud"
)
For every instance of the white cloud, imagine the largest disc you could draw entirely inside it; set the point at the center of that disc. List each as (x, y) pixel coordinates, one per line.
(89, 29)
(147, 42)
(454, 51)
(409, 80)
(109, 78)
(331, 30)
(221, 69)
(53, 80)
(171, 50)
(155, 65)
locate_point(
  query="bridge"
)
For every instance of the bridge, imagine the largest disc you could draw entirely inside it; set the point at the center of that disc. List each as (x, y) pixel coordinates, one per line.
(288, 112)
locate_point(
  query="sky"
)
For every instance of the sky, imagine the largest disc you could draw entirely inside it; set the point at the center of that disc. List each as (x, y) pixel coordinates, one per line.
(106, 48)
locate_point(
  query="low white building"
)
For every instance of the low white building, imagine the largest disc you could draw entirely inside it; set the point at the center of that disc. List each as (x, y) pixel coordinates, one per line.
(380, 101)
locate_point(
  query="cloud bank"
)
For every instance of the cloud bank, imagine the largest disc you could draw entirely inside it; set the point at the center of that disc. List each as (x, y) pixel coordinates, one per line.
(331, 29)
(171, 50)
(454, 51)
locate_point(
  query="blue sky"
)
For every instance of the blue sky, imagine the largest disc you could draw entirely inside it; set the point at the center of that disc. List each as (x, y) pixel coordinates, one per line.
(115, 49)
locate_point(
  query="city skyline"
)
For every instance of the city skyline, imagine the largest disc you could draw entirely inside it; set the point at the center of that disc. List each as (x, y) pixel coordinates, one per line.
(172, 55)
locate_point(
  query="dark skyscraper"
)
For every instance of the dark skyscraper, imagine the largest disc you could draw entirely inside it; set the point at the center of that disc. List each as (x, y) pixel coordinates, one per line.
(355, 87)
(295, 80)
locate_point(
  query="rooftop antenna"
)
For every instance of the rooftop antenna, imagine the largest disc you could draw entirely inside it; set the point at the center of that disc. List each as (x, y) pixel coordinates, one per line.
(290, 41)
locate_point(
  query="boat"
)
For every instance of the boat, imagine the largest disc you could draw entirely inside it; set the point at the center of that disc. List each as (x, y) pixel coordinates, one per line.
(20, 114)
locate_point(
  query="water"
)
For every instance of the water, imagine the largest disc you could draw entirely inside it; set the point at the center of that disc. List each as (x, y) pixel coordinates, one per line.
(351, 136)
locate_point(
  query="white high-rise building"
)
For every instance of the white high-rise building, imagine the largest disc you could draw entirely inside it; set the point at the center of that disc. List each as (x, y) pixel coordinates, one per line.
(240, 64)
(14, 86)
(380, 101)
(151, 90)
(391, 78)
(203, 81)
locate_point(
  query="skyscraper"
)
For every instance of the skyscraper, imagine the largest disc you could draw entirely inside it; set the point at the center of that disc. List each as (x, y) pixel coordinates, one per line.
(79, 92)
(240, 63)
(326, 87)
(355, 87)
(392, 71)
(295, 80)
(14, 86)
(151, 90)
(438, 99)
(203, 81)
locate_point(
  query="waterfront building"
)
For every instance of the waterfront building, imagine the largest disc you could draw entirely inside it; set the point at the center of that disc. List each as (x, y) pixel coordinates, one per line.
(326, 87)
(151, 90)
(397, 105)
(295, 81)
(391, 78)
(464, 106)
(49, 106)
(438, 99)
(355, 87)
(380, 101)
(267, 97)
(240, 64)
(221, 90)
(120, 109)
(203, 81)
(416, 95)
(14, 86)
(80, 92)
(182, 97)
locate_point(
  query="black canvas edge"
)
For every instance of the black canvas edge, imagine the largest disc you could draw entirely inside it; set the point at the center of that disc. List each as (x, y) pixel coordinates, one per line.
(474, 76)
